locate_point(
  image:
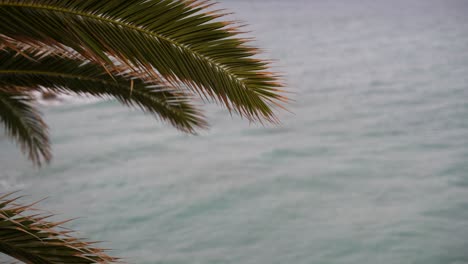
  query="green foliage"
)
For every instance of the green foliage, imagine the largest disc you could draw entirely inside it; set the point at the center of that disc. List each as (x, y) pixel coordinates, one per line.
(23, 122)
(30, 238)
(157, 55)
(180, 41)
(61, 74)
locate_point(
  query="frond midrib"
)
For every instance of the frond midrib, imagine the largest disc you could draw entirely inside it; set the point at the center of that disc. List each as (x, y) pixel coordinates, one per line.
(55, 74)
(19, 253)
(231, 75)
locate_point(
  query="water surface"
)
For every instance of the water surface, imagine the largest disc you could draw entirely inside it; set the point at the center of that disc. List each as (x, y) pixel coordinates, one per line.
(372, 167)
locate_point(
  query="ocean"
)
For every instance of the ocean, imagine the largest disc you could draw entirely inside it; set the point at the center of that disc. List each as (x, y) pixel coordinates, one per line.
(369, 166)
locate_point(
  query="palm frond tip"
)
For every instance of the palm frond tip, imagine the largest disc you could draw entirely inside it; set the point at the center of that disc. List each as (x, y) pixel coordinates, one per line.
(23, 122)
(29, 237)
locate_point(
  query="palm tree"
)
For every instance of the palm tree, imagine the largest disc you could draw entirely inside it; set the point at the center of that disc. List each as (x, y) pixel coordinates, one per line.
(158, 55)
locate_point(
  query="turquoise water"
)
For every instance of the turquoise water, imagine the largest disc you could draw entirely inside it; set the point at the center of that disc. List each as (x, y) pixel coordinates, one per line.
(371, 167)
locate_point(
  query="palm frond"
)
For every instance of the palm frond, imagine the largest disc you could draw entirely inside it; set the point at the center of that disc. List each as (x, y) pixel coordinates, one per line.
(61, 74)
(182, 41)
(29, 237)
(23, 122)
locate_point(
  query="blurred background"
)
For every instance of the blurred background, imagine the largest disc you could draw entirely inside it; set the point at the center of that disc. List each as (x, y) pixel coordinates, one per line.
(371, 166)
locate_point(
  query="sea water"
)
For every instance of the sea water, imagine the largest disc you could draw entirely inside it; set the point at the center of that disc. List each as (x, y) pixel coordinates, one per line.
(371, 166)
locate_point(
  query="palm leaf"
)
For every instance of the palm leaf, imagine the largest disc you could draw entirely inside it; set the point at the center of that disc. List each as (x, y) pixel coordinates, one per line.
(70, 75)
(181, 41)
(30, 238)
(23, 122)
